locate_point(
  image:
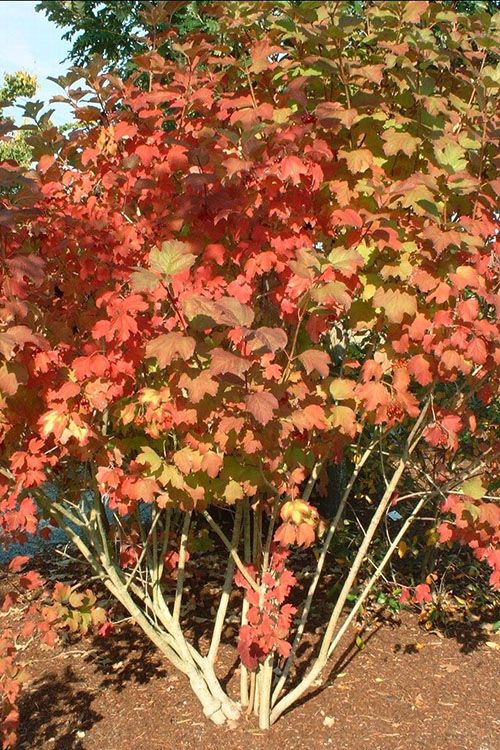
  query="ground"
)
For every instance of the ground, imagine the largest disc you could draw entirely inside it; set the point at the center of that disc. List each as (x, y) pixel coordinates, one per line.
(406, 689)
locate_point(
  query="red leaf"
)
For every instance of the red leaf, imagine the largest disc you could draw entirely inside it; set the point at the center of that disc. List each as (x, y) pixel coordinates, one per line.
(419, 367)
(422, 594)
(305, 535)
(266, 339)
(316, 359)
(17, 563)
(225, 362)
(286, 534)
(373, 395)
(170, 346)
(405, 594)
(262, 406)
(10, 599)
(200, 386)
(212, 464)
(291, 167)
(31, 580)
(311, 416)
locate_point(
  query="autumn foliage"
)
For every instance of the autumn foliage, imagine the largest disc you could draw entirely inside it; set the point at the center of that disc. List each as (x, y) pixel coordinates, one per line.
(277, 253)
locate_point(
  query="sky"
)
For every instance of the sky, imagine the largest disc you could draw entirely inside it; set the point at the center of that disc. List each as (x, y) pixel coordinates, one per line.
(28, 41)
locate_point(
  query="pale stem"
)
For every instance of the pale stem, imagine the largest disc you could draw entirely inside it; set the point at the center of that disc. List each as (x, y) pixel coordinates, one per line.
(244, 697)
(181, 567)
(265, 673)
(131, 576)
(378, 572)
(241, 567)
(265, 683)
(257, 538)
(322, 657)
(226, 589)
(165, 543)
(317, 574)
(251, 700)
(312, 481)
(256, 692)
(216, 704)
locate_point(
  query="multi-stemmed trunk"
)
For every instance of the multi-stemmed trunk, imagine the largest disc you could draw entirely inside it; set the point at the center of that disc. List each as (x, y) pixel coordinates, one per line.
(141, 590)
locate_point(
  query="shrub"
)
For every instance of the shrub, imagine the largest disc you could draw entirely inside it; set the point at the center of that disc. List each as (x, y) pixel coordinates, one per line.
(279, 256)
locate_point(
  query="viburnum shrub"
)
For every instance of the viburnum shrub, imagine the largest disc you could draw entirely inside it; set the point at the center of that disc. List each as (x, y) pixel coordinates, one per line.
(276, 254)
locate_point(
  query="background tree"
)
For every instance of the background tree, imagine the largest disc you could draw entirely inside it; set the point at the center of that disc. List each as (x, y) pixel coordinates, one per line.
(116, 30)
(13, 145)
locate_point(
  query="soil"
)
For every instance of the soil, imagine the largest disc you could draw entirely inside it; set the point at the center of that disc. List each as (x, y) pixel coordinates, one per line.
(407, 688)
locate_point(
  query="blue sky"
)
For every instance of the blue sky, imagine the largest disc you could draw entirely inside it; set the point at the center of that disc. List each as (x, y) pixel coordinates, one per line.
(28, 41)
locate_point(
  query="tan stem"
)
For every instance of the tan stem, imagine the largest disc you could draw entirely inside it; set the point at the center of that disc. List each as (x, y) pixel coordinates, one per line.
(241, 567)
(226, 589)
(322, 657)
(245, 699)
(317, 574)
(181, 567)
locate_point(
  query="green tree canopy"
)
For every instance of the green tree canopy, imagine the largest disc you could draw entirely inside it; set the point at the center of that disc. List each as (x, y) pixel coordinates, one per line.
(116, 30)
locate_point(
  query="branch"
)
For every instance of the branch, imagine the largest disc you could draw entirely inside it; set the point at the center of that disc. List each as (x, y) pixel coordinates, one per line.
(241, 567)
(226, 589)
(181, 568)
(319, 567)
(322, 657)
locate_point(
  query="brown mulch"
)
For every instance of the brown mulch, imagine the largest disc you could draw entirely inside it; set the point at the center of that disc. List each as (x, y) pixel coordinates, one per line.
(406, 689)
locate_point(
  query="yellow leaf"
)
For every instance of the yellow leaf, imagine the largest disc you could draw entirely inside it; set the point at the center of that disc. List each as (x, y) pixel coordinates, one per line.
(233, 492)
(342, 389)
(402, 548)
(493, 645)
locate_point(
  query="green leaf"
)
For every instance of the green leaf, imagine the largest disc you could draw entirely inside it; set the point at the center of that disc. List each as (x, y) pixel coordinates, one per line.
(233, 492)
(474, 488)
(171, 475)
(396, 304)
(451, 157)
(150, 457)
(333, 291)
(398, 140)
(360, 642)
(357, 161)
(346, 260)
(342, 389)
(173, 258)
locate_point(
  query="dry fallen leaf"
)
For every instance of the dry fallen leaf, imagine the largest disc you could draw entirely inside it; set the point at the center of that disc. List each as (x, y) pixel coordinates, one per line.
(450, 667)
(419, 702)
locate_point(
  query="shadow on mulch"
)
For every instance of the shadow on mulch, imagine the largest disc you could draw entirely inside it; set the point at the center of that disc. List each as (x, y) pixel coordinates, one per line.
(53, 710)
(348, 655)
(56, 706)
(470, 635)
(130, 657)
(61, 704)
